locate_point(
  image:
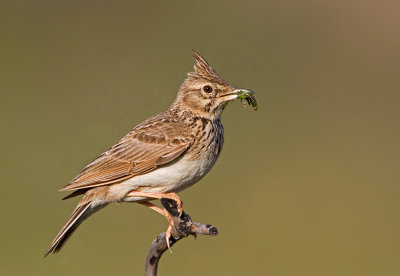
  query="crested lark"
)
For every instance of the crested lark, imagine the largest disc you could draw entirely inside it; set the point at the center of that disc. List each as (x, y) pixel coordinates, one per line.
(163, 155)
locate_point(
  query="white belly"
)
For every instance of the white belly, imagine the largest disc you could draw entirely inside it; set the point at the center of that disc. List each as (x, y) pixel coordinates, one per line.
(172, 178)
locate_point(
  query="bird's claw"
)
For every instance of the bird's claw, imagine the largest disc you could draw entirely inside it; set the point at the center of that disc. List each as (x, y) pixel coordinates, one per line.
(179, 205)
(168, 236)
(180, 209)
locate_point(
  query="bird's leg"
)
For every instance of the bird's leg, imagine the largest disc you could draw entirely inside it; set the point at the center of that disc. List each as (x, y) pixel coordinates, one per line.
(159, 210)
(172, 196)
(166, 214)
(163, 211)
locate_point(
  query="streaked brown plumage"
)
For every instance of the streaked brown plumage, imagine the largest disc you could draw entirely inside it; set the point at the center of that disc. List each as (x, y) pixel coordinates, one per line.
(159, 157)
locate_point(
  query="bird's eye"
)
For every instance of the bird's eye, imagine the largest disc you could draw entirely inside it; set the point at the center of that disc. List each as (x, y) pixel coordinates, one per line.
(207, 89)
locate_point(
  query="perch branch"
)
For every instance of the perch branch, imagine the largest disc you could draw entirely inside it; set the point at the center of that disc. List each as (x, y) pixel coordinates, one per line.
(183, 227)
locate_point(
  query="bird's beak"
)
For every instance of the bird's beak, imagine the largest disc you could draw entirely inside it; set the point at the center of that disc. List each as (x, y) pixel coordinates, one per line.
(233, 95)
(242, 94)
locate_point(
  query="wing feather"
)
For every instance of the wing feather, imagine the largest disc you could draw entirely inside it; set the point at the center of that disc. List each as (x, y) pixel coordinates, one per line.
(140, 152)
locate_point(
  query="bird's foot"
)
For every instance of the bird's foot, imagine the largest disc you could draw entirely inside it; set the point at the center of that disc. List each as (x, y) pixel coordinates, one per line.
(173, 204)
(172, 196)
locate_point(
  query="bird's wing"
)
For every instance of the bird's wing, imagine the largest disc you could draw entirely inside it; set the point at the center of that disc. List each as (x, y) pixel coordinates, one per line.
(141, 151)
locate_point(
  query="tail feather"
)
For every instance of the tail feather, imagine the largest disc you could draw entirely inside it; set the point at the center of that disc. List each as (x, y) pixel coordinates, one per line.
(77, 217)
(75, 193)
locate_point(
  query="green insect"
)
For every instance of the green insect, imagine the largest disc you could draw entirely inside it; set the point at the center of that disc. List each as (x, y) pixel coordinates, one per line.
(248, 96)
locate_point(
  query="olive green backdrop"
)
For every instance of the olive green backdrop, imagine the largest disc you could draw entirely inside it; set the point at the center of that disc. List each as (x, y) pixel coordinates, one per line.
(308, 185)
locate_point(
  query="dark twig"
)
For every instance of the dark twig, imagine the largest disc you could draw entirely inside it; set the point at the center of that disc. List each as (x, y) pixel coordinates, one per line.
(183, 227)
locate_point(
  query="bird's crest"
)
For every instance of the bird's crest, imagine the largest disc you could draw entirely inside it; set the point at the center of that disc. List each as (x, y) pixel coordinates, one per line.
(204, 71)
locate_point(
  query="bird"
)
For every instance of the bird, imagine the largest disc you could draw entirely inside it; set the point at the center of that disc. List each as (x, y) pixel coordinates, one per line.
(161, 156)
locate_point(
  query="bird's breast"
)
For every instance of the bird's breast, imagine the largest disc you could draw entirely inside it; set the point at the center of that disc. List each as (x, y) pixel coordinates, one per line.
(186, 170)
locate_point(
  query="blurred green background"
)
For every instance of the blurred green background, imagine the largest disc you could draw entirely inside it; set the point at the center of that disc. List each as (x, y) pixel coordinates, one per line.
(308, 185)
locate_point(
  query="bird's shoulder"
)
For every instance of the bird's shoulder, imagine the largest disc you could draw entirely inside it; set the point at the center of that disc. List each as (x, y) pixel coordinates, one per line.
(163, 128)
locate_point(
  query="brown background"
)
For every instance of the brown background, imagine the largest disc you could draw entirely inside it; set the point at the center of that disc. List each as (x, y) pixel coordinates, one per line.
(308, 185)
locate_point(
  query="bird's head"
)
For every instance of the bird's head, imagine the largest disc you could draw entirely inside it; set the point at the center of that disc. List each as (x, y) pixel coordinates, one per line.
(204, 93)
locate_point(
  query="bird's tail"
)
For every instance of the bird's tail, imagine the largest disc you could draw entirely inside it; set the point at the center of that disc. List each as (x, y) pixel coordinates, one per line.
(82, 212)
